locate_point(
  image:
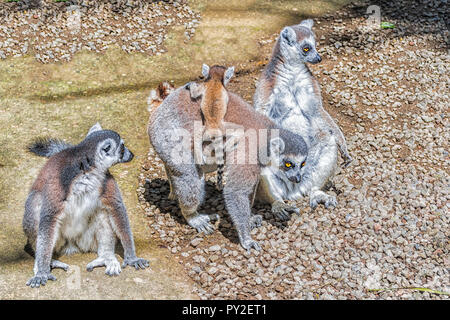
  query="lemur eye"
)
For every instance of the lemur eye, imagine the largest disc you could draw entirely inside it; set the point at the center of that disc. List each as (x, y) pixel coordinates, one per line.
(303, 163)
(288, 164)
(306, 49)
(107, 148)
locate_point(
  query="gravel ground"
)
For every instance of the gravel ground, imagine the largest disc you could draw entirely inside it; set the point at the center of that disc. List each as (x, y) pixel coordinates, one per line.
(388, 90)
(55, 31)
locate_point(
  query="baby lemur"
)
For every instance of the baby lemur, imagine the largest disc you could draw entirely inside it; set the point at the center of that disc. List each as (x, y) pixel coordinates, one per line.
(214, 96)
(75, 205)
(288, 93)
(157, 95)
(171, 130)
(214, 101)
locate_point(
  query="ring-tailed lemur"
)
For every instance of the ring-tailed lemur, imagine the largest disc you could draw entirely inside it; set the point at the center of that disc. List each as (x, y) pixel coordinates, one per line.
(288, 93)
(75, 205)
(179, 112)
(214, 100)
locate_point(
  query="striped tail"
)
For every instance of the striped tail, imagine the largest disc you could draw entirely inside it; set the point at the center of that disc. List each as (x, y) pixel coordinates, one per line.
(220, 177)
(46, 147)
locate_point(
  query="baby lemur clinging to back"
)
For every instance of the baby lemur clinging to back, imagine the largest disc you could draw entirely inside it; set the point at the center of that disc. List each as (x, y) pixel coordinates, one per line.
(214, 101)
(75, 205)
(171, 129)
(214, 96)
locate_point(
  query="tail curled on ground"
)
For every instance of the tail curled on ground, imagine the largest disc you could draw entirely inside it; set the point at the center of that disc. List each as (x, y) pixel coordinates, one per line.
(46, 147)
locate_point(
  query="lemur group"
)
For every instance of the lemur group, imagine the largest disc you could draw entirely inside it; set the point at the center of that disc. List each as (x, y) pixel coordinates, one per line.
(284, 147)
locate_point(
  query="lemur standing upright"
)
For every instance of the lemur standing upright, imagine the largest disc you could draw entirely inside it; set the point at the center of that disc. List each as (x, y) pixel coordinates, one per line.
(289, 94)
(214, 101)
(171, 129)
(75, 205)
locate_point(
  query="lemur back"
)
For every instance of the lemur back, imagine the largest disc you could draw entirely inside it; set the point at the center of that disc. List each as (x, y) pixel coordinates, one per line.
(186, 177)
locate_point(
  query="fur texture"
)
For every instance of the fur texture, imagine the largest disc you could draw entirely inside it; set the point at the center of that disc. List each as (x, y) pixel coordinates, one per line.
(214, 101)
(75, 205)
(289, 94)
(180, 111)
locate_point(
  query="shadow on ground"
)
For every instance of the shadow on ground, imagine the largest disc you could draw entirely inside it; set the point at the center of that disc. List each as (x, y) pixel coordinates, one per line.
(64, 100)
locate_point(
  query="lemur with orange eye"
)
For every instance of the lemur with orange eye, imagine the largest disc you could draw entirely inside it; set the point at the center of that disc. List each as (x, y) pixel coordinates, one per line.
(289, 94)
(278, 182)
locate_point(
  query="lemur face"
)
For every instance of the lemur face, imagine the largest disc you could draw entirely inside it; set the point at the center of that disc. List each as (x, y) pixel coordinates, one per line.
(298, 43)
(293, 167)
(111, 151)
(108, 147)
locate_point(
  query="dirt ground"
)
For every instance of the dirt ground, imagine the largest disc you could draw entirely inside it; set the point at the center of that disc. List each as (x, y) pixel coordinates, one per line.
(63, 99)
(389, 236)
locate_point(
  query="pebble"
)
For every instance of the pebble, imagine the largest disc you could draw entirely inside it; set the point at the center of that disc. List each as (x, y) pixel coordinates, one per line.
(390, 228)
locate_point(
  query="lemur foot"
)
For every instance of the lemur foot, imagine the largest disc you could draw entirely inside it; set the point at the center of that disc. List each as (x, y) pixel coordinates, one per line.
(40, 279)
(321, 197)
(256, 221)
(283, 211)
(202, 223)
(249, 244)
(111, 264)
(55, 264)
(137, 263)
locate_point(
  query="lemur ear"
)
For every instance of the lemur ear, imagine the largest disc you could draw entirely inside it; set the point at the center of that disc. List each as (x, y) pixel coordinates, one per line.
(95, 127)
(205, 70)
(288, 34)
(228, 75)
(308, 23)
(276, 146)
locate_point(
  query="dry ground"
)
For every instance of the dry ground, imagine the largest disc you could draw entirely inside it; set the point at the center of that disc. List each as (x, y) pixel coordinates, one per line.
(64, 99)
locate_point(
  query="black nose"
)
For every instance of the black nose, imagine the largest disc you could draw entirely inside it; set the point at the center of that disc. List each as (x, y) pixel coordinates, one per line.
(298, 179)
(128, 156)
(319, 58)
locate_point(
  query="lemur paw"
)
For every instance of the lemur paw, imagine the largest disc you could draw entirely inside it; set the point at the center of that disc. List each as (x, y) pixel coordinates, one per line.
(137, 263)
(55, 264)
(284, 211)
(256, 221)
(40, 279)
(249, 244)
(111, 264)
(327, 200)
(202, 223)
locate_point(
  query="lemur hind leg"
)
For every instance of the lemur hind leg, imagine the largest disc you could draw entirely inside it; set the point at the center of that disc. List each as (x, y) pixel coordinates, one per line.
(320, 168)
(189, 188)
(106, 241)
(238, 194)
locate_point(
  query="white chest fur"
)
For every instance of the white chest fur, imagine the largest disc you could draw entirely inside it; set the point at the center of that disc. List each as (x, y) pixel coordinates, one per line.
(294, 90)
(81, 204)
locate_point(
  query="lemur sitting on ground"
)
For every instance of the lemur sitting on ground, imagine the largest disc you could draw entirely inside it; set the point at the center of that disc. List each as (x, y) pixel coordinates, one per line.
(288, 93)
(75, 205)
